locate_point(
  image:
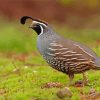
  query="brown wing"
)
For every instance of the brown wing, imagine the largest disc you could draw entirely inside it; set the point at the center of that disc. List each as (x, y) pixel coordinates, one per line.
(68, 50)
(69, 53)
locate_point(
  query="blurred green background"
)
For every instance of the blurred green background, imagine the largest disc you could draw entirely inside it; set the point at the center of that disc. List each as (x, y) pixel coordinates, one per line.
(20, 61)
(76, 19)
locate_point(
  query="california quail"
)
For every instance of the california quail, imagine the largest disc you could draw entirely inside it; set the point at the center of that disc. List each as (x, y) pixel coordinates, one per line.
(62, 54)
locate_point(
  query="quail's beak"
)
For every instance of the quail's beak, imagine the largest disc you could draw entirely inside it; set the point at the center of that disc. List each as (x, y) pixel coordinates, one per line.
(32, 25)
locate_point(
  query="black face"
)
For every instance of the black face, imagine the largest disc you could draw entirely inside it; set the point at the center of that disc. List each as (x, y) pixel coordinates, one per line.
(37, 28)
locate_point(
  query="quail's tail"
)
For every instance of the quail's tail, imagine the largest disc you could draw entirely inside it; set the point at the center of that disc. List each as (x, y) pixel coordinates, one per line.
(97, 62)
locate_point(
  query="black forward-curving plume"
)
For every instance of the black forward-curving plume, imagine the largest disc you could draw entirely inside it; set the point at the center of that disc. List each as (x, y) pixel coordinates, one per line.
(24, 18)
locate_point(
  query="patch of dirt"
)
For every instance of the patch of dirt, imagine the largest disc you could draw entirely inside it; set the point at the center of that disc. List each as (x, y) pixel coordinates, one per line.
(2, 91)
(52, 84)
(79, 83)
(92, 95)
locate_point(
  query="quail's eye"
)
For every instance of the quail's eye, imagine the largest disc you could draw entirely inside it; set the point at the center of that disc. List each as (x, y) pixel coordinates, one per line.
(37, 26)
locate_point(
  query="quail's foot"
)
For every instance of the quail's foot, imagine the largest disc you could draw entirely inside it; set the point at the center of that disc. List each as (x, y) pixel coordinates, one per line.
(85, 80)
(71, 76)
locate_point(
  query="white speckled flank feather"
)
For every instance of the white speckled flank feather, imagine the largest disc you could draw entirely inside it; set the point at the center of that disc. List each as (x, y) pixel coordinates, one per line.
(63, 57)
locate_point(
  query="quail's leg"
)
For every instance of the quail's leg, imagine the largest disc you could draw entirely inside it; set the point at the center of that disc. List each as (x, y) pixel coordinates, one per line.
(71, 76)
(85, 80)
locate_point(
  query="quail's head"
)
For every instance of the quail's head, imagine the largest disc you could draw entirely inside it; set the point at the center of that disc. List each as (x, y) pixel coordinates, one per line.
(37, 25)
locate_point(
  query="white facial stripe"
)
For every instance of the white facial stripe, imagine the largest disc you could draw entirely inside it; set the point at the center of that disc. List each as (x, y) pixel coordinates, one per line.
(41, 30)
(39, 23)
